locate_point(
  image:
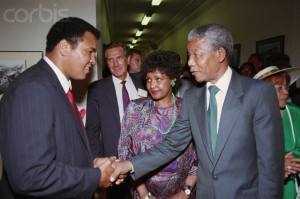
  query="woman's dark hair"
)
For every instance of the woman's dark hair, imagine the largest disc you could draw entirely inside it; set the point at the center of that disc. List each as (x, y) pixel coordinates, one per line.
(71, 29)
(167, 62)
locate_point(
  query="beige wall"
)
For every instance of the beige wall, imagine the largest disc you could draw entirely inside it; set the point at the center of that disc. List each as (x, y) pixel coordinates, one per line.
(249, 21)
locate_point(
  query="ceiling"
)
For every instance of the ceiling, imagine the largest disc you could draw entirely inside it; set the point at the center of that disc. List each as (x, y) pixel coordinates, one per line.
(125, 16)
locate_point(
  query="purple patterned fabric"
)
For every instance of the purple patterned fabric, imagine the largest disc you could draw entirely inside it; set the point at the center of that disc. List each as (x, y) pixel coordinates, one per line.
(140, 132)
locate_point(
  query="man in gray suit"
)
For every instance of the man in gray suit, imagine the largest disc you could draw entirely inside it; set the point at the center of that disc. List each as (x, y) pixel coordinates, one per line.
(43, 143)
(246, 159)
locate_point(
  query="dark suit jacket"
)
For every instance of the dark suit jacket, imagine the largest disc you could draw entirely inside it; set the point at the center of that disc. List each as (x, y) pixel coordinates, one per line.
(45, 151)
(249, 155)
(102, 117)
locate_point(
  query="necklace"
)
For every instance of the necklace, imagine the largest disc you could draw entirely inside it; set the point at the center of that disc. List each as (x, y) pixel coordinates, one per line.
(174, 116)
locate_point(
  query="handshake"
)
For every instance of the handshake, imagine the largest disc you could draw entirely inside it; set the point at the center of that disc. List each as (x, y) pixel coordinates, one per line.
(112, 170)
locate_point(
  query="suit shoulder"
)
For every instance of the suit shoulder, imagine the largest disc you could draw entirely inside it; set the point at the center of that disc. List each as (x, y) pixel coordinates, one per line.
(100, 83)
(251, 83)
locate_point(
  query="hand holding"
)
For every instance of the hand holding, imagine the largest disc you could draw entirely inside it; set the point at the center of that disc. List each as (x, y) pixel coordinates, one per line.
(121, 170)
(104, 164)
(98, 161)
(291, 164)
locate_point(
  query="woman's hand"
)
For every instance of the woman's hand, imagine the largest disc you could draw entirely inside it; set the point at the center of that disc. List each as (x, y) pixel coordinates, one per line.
(291, 165)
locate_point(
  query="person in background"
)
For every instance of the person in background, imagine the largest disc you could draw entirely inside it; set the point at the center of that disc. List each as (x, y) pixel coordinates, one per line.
(235, 124)
(42, 140)
(147, 121)
(106, 101)
(247, 69)
(135, 65)
(135, 61)
(282, 79)
(257, 61)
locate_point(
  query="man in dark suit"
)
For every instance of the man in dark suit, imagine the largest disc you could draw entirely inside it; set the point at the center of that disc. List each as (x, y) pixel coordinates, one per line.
(105, 107)
(241, 155)
(43, 143)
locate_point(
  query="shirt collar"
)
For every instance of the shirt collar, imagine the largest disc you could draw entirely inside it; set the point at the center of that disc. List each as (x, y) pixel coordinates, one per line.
(65, 83)
(223, 82)
(118, 81)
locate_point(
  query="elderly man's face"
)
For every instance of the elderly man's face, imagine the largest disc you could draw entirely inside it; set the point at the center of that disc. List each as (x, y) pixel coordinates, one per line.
(205, 63)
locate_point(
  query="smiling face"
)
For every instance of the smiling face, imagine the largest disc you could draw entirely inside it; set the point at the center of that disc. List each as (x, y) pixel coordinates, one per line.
(117, 62)
(205, 63)
(159, 86)
(80, 59)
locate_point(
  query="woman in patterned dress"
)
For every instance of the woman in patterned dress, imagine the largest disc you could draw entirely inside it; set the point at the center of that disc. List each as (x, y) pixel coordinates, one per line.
(147, 121)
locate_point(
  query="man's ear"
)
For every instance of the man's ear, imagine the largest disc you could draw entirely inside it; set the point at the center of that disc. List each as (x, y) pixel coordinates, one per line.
(64, 47)
(221, 54)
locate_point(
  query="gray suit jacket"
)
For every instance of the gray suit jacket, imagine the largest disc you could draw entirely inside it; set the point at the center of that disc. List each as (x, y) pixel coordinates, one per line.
(249, 156)
(102, 117)
(45, 150)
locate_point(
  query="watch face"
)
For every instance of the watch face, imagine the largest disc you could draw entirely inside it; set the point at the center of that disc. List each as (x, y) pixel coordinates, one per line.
(187, 192)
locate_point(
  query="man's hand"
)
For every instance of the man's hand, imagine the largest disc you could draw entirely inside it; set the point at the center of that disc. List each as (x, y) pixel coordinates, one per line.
(105, 166)
(121, 170)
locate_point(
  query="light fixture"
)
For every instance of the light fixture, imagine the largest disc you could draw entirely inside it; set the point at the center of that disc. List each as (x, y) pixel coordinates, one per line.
(138, 33)
(146, 20)
(155, 2)
(134, 41)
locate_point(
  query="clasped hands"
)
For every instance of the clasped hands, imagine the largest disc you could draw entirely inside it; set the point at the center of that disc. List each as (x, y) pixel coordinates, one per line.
(291, 165)
(112, 170)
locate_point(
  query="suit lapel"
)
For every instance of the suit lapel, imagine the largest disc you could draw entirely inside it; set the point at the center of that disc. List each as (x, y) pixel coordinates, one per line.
(112, 98)
(230, 112)
(201, 115)
(62, 95)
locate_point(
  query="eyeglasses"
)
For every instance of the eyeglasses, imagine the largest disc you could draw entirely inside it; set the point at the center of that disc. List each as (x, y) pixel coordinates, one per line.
(280, 87)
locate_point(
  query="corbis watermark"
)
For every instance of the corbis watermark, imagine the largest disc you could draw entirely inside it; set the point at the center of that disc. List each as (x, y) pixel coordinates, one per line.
(45, 15)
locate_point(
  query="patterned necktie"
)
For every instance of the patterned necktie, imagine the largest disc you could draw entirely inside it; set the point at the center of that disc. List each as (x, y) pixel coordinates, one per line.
(212, 116)
(71, 99)
(125, 95)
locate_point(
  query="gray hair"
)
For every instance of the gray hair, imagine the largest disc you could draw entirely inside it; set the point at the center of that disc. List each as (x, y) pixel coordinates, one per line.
(216, 35)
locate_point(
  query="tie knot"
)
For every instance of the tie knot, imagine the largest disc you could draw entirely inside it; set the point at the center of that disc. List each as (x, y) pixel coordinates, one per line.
(213, 90)
(69, 93)
(123, 82)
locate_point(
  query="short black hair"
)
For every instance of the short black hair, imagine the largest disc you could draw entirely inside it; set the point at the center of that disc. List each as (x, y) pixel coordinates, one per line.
(134, 51)
(167, 62)
(71, 29)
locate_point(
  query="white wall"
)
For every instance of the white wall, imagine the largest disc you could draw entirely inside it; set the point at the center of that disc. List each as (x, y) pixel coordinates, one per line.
(24, 25)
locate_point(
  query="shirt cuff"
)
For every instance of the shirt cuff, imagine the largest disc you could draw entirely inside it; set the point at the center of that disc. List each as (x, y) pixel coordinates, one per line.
(132, 169)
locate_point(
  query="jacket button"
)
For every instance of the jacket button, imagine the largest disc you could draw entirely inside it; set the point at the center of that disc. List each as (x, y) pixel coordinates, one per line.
(215, 178)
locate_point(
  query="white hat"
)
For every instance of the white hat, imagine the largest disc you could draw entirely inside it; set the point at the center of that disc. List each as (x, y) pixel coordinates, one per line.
(294, 73)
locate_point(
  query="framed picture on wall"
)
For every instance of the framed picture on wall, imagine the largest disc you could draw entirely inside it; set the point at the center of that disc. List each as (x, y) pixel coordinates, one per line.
(269, 47)
(13, 63)
(235, 60)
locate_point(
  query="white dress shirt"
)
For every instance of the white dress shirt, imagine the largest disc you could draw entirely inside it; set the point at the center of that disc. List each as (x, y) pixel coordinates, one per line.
(132, 92)
(222, 84)
(65, 83)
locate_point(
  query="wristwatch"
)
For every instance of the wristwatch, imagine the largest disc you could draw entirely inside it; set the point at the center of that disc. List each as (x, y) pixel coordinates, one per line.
(187, 189)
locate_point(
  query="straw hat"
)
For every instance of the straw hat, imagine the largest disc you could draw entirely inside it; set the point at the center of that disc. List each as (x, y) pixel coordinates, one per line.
(293, 72)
